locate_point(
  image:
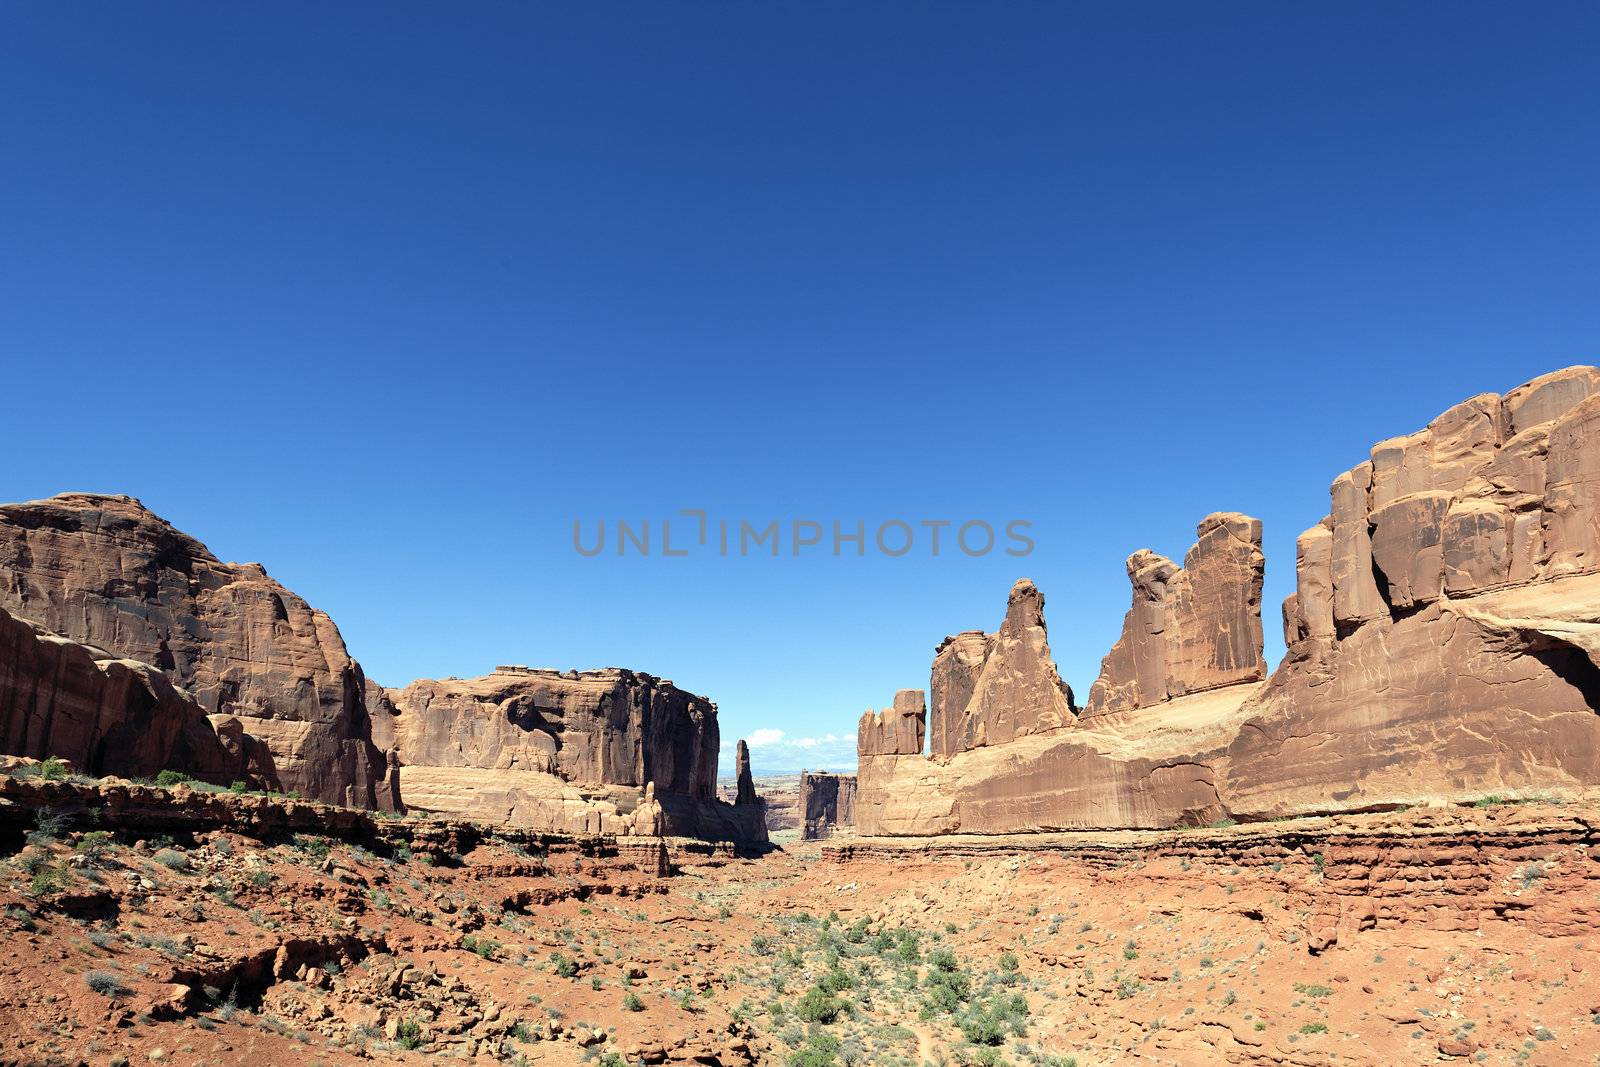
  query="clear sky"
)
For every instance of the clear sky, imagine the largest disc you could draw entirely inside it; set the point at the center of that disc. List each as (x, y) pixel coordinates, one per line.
(386, 296)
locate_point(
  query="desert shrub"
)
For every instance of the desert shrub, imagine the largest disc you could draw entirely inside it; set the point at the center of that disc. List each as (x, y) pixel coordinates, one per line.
(632, 1003)
(1314, 1028)
(47, 879)
(94, 846)
(313, 846)
(819, 1006)
(409, 1034)
(169, 778)
(106, 984)
(486, 948)
(172, 859)
(50, 824)
(820, 1050)
(564, 966)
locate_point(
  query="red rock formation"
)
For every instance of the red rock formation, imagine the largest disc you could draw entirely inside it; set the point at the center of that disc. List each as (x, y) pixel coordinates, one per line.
(895, 731)
(1444, 644)
(989, 689)
(746, 788)
(1192, 628)
(827, 804)
(571, 751)
(105, 571)
(105, 715)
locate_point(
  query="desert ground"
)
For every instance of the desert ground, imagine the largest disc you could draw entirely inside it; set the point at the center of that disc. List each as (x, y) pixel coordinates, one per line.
(1409, 937)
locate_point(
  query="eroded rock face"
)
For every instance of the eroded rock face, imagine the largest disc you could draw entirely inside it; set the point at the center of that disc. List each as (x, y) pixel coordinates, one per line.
(827, 804)
(105, 715)
(571, 750)
(105, 571)
(1191, 628)
(896, 730)
(1444, 644)
(989, 689)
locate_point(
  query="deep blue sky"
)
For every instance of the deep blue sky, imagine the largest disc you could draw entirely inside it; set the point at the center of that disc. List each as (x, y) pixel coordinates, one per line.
(386, 296)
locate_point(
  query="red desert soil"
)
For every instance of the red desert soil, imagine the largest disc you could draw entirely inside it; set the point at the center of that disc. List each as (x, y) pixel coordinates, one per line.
(1463, 934)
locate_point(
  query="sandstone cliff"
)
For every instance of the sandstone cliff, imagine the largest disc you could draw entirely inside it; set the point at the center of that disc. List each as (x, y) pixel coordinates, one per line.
(105, 571)
(827, 804)
(1192, 628)
(989, 689)
(106, 715)
(1443, 640)
(607, 751)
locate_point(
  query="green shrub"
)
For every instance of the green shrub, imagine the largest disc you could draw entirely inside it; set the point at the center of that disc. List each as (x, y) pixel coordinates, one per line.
(94, 845)
(53, 769)
(167, 779)
(488, 949)
(565, 966)
(819, 1006)
(1314, 1028)
(106, 984)
(316, 847)
(409, 1034)
(632, 1003)
(820, 1050)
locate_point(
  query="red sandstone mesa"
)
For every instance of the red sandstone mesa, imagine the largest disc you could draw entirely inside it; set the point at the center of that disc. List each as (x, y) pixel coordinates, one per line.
(1441, 647)
(575, 751)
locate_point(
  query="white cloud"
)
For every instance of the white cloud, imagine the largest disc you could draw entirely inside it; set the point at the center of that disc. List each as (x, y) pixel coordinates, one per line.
(764, 737)
(774, 752)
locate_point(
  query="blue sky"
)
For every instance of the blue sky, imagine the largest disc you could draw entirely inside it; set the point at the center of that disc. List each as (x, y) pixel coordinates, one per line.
(387, 296)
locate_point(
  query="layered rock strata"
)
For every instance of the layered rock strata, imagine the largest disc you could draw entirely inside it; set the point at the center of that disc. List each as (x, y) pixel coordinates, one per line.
(106, 572)
(827, 804)
(1443, 641)
(606, 751)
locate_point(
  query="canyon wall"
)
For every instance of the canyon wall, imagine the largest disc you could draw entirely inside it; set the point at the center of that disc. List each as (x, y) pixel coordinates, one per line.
(1442, 645)
(106, 572)
(827, 804)
(106, 715)
(606, 751)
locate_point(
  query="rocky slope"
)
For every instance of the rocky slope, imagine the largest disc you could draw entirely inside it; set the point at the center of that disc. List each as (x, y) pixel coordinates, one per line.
(106, 572)
(1441, 647)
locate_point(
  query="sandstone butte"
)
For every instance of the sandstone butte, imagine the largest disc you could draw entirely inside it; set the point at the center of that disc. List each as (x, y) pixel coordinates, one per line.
(1442, 645)
(127, 648)
(827, 805)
